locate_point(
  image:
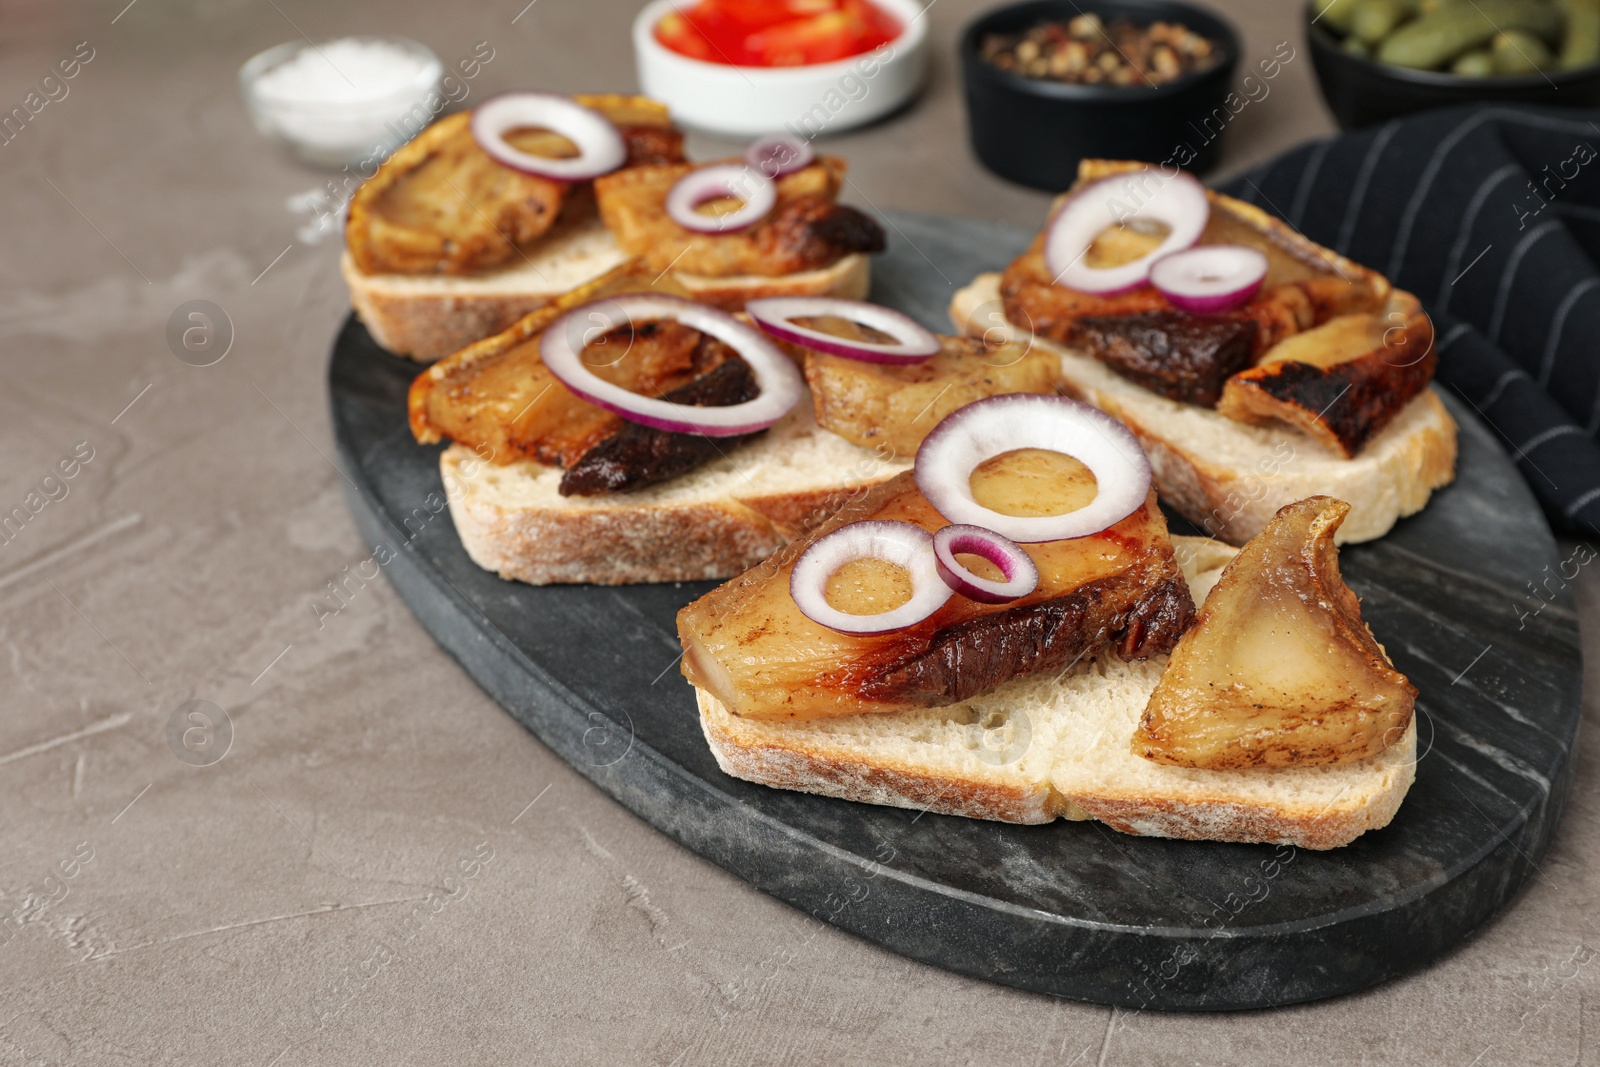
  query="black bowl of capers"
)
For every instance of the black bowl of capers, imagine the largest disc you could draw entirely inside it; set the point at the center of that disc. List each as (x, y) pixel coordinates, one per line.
(1380, 59)
(1153, 82)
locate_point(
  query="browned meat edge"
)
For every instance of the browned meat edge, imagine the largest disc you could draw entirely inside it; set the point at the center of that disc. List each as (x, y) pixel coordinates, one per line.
(1173, 353)
(976, 654)
(636, 455)
(1346, 404)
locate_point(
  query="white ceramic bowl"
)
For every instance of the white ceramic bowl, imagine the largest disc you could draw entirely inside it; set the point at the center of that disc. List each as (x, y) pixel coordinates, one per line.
(346, 128)
(806, 101)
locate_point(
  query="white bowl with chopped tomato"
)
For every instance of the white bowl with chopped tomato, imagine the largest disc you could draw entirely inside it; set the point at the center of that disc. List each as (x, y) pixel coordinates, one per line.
(806, 67)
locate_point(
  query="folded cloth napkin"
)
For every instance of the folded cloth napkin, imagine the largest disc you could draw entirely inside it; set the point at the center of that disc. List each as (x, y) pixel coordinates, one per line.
(1490, 215)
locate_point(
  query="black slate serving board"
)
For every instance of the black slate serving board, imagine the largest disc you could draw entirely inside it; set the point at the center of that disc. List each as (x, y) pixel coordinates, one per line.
(1072, 909)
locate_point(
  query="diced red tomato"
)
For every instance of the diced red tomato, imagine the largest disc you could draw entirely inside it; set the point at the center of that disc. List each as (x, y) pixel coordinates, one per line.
(777, 33)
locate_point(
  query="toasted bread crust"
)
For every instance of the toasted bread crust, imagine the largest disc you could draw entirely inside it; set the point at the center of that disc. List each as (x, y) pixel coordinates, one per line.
(428, 322)
(1225, 819)
(792, 763)
(431, 325)
(1217, 497)
(621, 541)
(798, 763)
(622, 545)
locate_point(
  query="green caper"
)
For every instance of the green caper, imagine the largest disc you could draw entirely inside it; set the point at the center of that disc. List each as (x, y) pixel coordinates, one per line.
(1581, 47)
(1516, 52)
(1433, 40)
(1478, 64)
(1336, 15)
(1376, 19)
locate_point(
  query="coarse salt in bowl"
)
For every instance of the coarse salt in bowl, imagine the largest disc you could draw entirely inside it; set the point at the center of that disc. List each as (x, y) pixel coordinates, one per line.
(342, 101)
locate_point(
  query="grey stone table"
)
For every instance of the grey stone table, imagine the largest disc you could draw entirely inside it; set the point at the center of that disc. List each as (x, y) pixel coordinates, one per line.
(384, 867)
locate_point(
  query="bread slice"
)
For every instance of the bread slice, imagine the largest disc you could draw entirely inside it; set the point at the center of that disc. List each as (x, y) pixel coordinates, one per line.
(1043, 748)
(714, 522)
(429, 316)
(1231, 478)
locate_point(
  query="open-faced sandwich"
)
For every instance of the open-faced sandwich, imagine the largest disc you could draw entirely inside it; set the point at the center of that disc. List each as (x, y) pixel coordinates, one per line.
(1254, 366)
(1009, 632)
(488, 214)
(625, 433)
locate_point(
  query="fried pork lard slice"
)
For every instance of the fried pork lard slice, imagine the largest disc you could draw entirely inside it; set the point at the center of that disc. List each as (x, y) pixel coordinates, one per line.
(1279, 670)
(442, 205)
(879, 405)
(805, 231)
(749, 645)
(498, 397)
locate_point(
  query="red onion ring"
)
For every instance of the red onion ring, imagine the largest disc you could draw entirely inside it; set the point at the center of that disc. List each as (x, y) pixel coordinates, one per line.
(760, 196)
(1180, 202)
(1021, 573)
(779, 154)
(600, 147)
(561, 346)
(899, 543)
(1210, 279)
(913, 342)
(998, 424)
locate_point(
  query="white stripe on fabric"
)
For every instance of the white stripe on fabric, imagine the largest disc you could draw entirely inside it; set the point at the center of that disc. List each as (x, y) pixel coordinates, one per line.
(1509, 275)
(1594, 412)
(1459, 249)
(1453, 336)
(1589, 214)
(1500, 386)
(1308, 178)
(1582, 502)
(1254, 180)
(1551, 434)
(1547, 362)
(1352, 211)
(1436, 161)
(1266, 169)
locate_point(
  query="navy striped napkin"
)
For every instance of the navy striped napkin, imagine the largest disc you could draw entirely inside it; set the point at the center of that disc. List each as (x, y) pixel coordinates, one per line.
(1491, 215)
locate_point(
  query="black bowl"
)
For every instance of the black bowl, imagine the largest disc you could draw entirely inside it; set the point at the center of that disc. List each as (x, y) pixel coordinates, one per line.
(1034, 132)
(1363, 92)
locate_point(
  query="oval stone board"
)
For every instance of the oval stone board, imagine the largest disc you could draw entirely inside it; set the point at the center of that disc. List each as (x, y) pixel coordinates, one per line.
(1072, 909)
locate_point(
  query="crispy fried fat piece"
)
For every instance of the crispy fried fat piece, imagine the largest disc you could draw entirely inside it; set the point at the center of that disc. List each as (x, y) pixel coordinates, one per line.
(498, 397)
(1279, 670)
(1327, 346)
(805, 231)
(750, 646)
(1341, 382)
(441, 205)
(894, 407)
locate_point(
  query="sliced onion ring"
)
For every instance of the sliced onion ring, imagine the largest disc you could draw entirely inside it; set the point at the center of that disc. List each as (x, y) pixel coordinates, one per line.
(1180, 202)
(998, 424)
(913, 343)
(1210, 279)
(562, 343)
(1021, 573)
(779, 154)
(899, 543)
(600, 147)
(760, 196)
